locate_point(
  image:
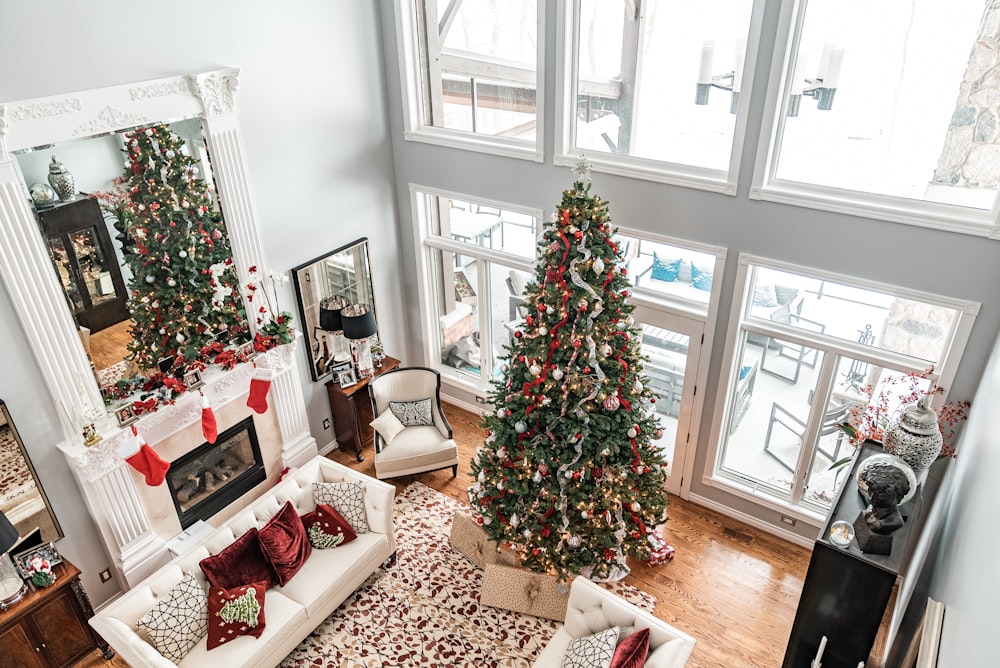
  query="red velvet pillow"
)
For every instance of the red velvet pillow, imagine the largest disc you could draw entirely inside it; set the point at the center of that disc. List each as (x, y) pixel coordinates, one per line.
(235, 612)
(238, 564)
(630, 653)
(285, 543)
(327, 528)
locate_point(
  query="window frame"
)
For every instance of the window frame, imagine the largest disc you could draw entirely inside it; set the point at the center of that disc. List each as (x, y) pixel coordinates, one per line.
(566, 154)
(414, 126)
(426, 243)
(741, 321)
(766, 186)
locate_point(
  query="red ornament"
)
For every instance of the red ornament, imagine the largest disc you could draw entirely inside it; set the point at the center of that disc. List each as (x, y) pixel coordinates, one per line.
(597, 472)
(609, 554)
(577, 343)
(517, 334)
(612, 403)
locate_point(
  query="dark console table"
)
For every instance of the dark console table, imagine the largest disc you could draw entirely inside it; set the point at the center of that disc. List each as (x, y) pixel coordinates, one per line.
(352, 411)
(846, 591)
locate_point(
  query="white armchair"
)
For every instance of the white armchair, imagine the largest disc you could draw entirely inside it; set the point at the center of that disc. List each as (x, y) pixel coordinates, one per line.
(593, 608)
(404, 450)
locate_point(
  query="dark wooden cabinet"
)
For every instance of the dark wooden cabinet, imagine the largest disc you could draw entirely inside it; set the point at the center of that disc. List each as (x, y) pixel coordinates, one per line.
(48, 628)
(84, 258)
(846, 591)
(352, 411)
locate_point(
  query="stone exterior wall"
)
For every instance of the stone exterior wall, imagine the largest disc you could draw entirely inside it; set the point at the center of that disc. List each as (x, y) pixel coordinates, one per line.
(917, 329)
(971, 150)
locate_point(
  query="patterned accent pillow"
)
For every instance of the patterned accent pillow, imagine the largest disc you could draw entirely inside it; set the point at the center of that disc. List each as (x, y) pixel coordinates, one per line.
(235, 612)
(347, 498)
(631, 652)
(326, 528)
(594, 651)
(179, 621)
(412, 413)
(665, 270)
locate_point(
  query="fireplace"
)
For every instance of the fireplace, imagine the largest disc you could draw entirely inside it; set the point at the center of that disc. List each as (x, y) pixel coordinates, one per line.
(210, 477)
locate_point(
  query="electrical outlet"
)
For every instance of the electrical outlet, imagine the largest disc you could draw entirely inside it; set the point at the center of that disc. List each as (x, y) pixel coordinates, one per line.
(480, 400)
(105, 575)
(790, 521)
(326, 423)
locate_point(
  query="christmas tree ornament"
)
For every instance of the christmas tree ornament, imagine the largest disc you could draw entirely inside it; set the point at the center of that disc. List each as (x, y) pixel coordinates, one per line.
(598, 266)
(521, 427)
(612, 403)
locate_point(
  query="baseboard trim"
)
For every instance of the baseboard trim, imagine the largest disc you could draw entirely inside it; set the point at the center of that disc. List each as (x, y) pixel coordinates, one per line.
(472, 408)
(755, 522)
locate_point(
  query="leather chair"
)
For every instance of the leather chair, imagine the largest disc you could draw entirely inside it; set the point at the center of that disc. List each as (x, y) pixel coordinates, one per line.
(414, 449)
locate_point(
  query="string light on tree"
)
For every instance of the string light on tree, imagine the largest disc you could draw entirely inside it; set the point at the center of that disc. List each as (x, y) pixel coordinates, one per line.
(569, 474)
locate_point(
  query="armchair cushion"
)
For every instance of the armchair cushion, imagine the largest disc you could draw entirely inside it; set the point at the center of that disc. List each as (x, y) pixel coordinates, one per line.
(416, 448)
(412, 413)
(388, 426)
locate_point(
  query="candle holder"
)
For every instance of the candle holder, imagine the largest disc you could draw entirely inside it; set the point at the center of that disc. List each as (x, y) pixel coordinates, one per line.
(841, 534)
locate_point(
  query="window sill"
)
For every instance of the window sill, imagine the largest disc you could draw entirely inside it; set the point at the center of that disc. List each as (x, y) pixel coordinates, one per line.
(507, 148)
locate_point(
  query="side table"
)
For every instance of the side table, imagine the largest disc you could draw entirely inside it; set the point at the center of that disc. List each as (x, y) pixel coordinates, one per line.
(352, 410)
(48, 628)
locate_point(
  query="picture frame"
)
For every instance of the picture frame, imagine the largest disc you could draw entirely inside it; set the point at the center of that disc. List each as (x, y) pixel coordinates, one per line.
(46, 551)
(125, 415)
(346, 378)
(336, 367)
(193, 380)
(247, 351)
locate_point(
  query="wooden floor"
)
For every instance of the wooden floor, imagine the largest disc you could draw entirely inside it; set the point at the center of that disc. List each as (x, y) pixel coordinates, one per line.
(733, 587)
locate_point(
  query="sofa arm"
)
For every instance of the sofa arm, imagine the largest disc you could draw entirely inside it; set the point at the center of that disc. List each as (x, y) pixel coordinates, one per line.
(129, 645)
(379, 496)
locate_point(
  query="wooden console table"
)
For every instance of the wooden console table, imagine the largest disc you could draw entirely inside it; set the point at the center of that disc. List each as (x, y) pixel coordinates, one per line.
(352, 410)
(48, 628)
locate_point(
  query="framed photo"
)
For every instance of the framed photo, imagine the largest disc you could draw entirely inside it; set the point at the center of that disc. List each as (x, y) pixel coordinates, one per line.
(346, 378)
(125, 415)
(47, 551)
(336, 367)
(246, 350)
(192, 380)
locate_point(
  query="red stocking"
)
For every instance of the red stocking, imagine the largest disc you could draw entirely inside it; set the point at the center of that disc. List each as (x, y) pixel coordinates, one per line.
(260, 384)
(149, 464)
(208, 425)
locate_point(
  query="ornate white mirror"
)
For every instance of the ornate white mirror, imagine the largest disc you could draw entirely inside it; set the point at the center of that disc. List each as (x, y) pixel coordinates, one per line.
(59, 123)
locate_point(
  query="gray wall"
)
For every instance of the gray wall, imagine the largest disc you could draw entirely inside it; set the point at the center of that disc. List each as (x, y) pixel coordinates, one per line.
(313, 119)
(950, 264)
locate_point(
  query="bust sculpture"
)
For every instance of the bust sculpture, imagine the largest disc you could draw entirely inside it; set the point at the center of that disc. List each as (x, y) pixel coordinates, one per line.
(885, 484)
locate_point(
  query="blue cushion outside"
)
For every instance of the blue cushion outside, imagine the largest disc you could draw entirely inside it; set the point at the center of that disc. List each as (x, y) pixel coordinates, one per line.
(665, 270)
(701, 278)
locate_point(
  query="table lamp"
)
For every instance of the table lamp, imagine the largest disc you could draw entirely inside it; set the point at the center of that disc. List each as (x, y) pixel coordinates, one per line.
(12, 587)
(330, 321)
(359, 325)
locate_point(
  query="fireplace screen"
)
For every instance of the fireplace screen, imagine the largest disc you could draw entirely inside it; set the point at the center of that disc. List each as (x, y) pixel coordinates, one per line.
(209, 478)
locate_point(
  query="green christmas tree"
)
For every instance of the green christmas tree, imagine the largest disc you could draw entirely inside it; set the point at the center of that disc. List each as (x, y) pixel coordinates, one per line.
(184, 290)
(570, 475)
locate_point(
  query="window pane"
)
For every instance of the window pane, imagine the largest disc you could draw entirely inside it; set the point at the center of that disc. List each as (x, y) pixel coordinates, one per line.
(637, 74)
(479, 65)
(669, 270)
(887, 98)
(874, 318)
(457, 312)
(666, 359)
(488, 227)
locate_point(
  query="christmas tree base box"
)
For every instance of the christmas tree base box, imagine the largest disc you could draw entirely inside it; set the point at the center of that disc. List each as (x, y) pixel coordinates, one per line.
(524, 591)
(469, 538)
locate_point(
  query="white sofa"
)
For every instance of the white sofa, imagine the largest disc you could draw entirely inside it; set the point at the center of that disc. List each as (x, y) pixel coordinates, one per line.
(291, 612)
(593, 608)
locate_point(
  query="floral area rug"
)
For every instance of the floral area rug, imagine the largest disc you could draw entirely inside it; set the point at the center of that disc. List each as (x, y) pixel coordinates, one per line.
(16, 483)
(424, 610)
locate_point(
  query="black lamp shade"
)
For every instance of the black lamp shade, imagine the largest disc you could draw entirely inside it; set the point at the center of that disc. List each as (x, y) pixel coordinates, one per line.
(329, 314)
(358, 321)
(8, 534)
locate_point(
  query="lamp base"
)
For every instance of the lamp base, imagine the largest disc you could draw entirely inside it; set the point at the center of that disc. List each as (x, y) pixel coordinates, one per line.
(12, 591)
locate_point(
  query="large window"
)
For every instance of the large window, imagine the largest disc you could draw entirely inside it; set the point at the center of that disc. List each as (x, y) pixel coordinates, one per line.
(655, 89)
(471, 75)
(817, 347)
(886, 109)
(476, 258)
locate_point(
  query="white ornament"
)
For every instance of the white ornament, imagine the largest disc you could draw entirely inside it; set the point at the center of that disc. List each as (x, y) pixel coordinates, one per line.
(183, 253)
(481, 477)
(500, 413)
(521, 427)
(574, 541)
(598, 266)
(585, 515)
(527, 533)
(487, 520)
(150, 279)
(534, 369)
(163, 330)
(632, 433)
(179, 337)
(636, 507)
(543, 331)
(557, 373)
(171, 282)
(537, 477)
(514, 520)
(638, 386)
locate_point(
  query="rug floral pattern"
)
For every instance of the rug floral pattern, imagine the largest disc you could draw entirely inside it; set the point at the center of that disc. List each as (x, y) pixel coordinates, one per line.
(424, 610)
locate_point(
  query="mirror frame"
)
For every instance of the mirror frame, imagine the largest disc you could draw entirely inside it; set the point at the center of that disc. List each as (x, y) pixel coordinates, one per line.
(34, 290)
(46, 537)
(310, 320)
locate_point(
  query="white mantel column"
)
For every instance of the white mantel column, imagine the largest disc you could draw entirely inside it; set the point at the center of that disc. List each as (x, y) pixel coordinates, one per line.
(298, 445)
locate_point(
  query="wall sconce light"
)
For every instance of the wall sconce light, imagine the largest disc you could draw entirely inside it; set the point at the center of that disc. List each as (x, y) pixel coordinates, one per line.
(823, 87)
(359, 325)
(731, 81)
(331, 323)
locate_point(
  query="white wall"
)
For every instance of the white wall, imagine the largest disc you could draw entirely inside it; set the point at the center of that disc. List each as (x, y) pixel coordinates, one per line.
(966, 577)
(312, 114)
(949, 264)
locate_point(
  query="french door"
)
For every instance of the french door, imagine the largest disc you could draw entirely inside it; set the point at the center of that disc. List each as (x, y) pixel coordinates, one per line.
(672, 345)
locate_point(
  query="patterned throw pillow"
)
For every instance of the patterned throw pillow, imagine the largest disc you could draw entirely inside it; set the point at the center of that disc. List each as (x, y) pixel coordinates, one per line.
(347, 498)
(665, 270)
(412, 413)
(178, 622)
(594, 651)
(235, 612)
(326, 528)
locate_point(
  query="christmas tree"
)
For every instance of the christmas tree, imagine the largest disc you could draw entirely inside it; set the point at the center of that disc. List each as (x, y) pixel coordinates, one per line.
(184, 290)
(570, 475)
